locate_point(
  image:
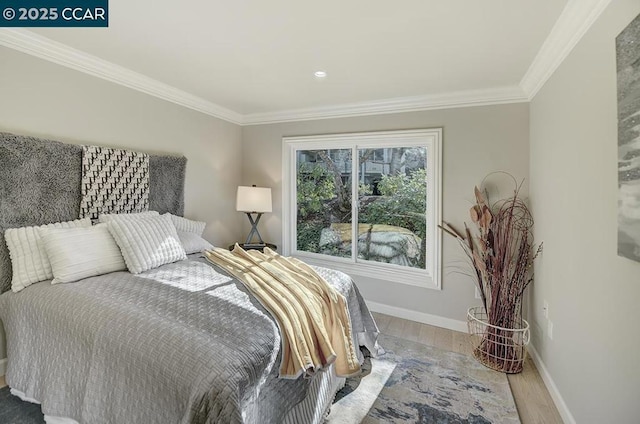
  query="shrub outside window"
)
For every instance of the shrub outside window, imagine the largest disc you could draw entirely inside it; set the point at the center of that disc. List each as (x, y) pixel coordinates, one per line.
(380, 189)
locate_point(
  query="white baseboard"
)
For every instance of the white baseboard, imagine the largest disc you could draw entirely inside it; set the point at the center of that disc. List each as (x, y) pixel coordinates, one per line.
(564, 411)
(436, 320)
(3, 366)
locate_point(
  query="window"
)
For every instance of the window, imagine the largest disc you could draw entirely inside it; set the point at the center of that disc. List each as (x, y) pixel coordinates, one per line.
(381, 190)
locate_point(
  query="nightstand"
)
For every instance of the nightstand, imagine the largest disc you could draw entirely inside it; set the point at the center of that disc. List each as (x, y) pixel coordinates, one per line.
(255, 246)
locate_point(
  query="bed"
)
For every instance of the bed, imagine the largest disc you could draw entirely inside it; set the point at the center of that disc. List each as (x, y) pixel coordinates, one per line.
(181, 343)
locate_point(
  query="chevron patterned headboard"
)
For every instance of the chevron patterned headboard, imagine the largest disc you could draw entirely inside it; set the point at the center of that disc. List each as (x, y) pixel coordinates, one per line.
(113, 181)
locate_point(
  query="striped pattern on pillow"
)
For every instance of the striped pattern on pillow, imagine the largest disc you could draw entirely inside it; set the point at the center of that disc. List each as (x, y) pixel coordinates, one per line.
(29, 260)
(147, 243)
(77, 253)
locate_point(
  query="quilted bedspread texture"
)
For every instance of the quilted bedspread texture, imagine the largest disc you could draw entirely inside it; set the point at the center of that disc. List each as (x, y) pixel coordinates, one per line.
(183, 343)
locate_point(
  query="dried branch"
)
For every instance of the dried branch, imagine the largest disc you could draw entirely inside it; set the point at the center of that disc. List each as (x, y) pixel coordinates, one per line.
(501, 252)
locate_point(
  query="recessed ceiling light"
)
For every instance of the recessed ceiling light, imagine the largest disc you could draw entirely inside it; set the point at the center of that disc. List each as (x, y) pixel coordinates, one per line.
(320, 74)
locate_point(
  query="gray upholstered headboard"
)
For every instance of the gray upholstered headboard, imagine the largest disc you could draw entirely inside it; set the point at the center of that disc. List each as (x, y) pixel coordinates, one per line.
(40, 183)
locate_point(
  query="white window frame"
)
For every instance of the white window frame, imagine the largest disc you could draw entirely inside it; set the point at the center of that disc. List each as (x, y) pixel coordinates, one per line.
(430, 277)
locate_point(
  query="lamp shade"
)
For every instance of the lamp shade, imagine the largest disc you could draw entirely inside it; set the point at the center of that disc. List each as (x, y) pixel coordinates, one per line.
(253, 199)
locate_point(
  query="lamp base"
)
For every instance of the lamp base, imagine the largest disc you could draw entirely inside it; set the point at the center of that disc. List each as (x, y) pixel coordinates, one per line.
(254, 229)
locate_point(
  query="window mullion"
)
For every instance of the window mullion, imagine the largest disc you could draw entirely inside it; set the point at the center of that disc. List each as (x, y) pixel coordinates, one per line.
(292, 201)
(354, 203)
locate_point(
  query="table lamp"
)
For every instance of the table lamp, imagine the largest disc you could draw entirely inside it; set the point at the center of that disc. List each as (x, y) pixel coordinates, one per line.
(253, 200)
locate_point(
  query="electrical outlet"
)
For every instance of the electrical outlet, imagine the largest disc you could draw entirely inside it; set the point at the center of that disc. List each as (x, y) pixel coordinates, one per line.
(545, 309)
(550, 330)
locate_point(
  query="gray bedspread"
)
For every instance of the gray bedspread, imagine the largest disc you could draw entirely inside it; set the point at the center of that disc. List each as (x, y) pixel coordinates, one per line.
(183, 343)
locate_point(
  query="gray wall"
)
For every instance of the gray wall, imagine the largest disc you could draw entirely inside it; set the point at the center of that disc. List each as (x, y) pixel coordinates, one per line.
(43, 99)
(476, 141)
(593, 293)
(570, 162)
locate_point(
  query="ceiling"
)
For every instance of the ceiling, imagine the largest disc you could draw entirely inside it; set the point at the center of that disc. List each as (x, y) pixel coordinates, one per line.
(255, 56)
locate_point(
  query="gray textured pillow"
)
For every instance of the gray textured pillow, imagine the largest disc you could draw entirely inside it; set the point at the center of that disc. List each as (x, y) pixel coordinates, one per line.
(147, 243)
(188, 225)
(193, 243)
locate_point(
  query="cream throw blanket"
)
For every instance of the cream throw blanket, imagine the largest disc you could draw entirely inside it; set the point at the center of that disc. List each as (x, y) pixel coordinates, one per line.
(313, 317)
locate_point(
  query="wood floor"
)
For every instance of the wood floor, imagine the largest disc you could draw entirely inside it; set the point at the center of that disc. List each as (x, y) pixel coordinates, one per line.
(533, 401)
(532, 398)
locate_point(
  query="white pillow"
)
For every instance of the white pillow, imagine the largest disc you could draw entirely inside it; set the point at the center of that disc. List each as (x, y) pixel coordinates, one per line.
(147, 243)
(187, 225)
(77, 253)
(193, 243)
(107, 217)
(28, 259)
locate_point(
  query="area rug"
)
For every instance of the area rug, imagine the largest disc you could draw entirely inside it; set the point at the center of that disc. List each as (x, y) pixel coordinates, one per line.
(415, 383)
(410, 383)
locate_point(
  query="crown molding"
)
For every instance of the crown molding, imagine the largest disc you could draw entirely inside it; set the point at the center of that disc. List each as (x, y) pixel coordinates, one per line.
(574, 21)
(572, 24)
(44, 48)
(484, 97)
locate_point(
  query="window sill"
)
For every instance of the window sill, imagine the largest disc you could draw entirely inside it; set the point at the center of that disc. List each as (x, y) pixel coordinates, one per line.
(388, 272)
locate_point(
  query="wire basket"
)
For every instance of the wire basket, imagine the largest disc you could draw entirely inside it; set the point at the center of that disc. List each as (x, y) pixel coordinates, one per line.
(498, 348)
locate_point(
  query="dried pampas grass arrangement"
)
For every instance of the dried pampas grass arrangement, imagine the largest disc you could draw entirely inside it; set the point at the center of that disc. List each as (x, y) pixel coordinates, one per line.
(501, 251)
